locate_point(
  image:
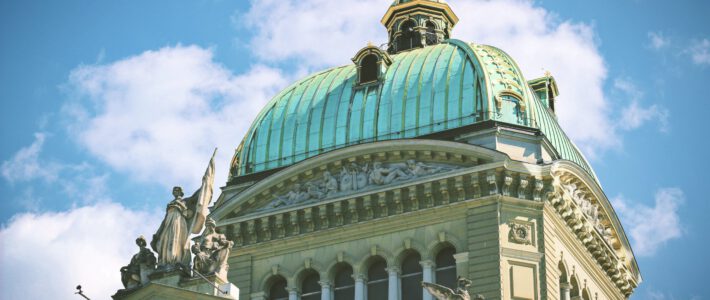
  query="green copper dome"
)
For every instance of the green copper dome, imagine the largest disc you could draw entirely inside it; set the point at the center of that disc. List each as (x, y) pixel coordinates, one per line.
(423, 91)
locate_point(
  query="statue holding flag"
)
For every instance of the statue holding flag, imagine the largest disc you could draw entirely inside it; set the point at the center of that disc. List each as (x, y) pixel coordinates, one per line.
(183, 216)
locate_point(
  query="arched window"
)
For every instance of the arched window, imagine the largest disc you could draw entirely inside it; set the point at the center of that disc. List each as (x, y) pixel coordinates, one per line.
(431, 37)
(277, 291)
(574, 292)
(409, 37)
(310, 288)
(377, 280)
(412, 277)
(585, 295)
(369, 68)
(564, 285)
(446, 268)
(344, 288)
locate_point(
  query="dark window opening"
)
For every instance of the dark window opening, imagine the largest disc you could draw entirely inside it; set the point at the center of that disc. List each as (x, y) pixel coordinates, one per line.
(412, 277)
(446, 268)
(369, 68)
(278, 290)
(377, 280)
(344, 288)
(409, 38)
(431, 37)
(310, 288)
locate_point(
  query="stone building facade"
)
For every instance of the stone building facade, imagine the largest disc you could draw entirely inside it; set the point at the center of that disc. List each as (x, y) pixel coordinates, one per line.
(426, 159)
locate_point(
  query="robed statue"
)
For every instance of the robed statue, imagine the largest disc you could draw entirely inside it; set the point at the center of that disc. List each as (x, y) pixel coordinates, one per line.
(211, 251)
(142, 264)
(443, 293)
(183, 216)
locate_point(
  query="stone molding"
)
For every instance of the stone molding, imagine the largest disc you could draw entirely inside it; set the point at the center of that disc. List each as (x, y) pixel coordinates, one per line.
(567, 196)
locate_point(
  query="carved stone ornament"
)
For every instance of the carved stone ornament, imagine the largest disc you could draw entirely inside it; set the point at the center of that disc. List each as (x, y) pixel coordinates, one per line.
(443, 293)
(520, 234)
(211, 252)
(136, 273)
(355, 177)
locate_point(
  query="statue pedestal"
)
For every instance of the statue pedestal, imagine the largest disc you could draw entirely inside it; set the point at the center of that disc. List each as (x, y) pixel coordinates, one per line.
(175, 285)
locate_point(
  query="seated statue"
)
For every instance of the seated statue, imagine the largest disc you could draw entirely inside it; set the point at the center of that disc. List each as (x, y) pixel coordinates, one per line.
(443, 293)
(142, 264)
(211, 252)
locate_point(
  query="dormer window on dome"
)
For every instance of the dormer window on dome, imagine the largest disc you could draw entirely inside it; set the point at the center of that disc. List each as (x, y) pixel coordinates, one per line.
(371, 64)
(417, 23)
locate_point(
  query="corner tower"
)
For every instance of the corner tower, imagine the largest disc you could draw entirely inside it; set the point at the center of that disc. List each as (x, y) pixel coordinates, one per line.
(417, 23)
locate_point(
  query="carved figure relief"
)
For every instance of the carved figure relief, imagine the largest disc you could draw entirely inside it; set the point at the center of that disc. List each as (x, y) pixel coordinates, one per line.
(355, 177)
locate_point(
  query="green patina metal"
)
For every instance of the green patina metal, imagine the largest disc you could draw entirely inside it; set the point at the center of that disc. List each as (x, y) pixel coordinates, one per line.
(423, 91)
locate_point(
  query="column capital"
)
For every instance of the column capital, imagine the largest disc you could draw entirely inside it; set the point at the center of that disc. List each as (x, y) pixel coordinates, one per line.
(427, 263)
(565, 286)
(461, 257)
(359, 277)
(292, 290)
(325, 283)
(393, 269)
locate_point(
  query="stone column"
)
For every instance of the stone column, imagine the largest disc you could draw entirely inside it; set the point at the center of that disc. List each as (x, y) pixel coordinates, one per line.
(565, 291)
(292, 293)
(393, 283)
(428, 276)
(360, 280)
(325, 290)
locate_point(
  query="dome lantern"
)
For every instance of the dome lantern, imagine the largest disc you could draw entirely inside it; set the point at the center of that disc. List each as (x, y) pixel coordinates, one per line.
(417, 23)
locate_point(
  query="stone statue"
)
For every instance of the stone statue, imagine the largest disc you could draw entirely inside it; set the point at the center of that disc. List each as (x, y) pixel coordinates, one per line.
(443, 293)
(381, 175)
(347, 179)
(182, 217)
(142, 264)
(212, 251)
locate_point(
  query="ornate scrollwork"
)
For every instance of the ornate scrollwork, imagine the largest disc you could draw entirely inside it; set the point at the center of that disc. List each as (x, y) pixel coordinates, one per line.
(520, 234)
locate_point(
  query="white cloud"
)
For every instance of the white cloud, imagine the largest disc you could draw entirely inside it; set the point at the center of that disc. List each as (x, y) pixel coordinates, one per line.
(318, 33)
(315, 33)
(650, 227)
(658, 41)
(157, 116)
(25, 164)
(46, 255)
(700, 52)
(634, 115)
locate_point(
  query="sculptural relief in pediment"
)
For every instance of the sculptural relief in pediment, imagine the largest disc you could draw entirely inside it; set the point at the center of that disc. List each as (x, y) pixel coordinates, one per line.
(352, 178)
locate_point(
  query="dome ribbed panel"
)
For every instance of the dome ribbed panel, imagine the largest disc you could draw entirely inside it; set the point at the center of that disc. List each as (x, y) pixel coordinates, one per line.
(423, 91)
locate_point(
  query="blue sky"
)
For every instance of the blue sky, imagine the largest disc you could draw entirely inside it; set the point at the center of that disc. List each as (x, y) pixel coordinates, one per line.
(108, 104)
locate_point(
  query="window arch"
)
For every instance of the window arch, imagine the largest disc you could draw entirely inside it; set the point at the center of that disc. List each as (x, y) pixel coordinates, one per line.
(411, 277)
(344, 284)
(409, 36)
(277, 290)
(310, 288)
(369, 68)
(585, 295)
(564, 285)
(377, 279)
(446, 268)
(574, 292)
(431, 37)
